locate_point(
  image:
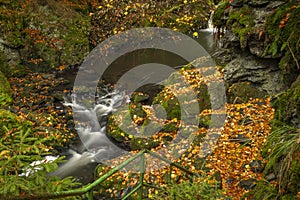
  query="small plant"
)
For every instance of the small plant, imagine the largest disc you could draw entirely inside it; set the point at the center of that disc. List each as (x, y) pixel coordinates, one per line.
(282, 150)
(264, 190)
(19, 148)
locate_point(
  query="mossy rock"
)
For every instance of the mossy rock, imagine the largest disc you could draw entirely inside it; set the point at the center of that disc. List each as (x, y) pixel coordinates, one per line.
(218, 18)
(242, 92)
(5, 90)
(241, 23)
(138, 97)
(283, 29)
(170, 127)
(287, 108)
(126, 138)
(142, 143)
(149, 128)
(47, 35)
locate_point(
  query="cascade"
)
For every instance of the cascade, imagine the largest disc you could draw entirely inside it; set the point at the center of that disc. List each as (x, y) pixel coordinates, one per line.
(96, 146)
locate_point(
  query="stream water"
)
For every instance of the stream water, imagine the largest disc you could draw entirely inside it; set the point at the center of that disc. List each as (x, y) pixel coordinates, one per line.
(96, 147)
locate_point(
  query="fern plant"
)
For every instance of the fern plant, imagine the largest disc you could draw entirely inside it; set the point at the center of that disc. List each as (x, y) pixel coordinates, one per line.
(19, 147)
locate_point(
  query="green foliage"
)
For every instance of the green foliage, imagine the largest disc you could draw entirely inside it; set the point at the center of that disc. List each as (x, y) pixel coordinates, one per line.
(19, 147)
(283, 29)
(241, 23)
(5, 91)
(47, 35)
(263, 191)
(218, 18)
(282, 151)
(287, 108)
(204, 189)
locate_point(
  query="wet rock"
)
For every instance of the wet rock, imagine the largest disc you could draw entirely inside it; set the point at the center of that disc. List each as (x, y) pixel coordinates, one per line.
(256, 166)
(270, 177)
(237, 3)
(223, 56)
(248, 184)
(263, 73)
(274, 4)
(240, 138)
(230, 181)
(242, 92)
(11, 55)
(259, 3)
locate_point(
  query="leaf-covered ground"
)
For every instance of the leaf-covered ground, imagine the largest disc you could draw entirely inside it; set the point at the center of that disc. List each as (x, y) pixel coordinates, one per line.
(35, 99)
(235, 160)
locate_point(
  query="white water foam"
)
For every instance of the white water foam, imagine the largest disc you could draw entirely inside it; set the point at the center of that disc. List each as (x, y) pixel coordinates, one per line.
(96, 147)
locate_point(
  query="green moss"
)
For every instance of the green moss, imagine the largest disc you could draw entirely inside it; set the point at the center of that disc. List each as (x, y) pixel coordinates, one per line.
(170, 127)
(241, 23)
(142, 143)
(204, 121)
(218, 18)
(283, 29)
(5, 91)
(241, 92)
(47, 35)
(287, 108)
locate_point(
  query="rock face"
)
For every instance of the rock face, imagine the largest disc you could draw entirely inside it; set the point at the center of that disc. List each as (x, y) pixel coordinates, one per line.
(262, 74)
(253, 48)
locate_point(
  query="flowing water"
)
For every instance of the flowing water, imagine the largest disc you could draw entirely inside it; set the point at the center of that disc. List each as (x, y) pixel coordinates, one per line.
(96, 147)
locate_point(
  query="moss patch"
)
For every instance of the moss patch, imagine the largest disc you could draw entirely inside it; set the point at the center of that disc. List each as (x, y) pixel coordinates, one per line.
(283, 28)
(218, 18)
(287, 108)
(241, 23)
(47, 35)
(5, 91)
(242, 92)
